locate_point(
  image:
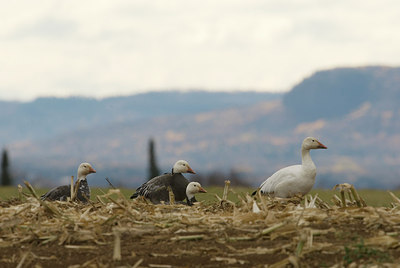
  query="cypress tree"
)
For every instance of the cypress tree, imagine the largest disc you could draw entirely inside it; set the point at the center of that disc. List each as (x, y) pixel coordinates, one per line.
(6, 179)
(153, 169)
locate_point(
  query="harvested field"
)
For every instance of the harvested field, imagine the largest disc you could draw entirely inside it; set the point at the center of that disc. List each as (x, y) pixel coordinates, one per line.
(116, 232)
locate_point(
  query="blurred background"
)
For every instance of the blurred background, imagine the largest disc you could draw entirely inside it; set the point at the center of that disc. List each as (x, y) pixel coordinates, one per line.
(233, 87)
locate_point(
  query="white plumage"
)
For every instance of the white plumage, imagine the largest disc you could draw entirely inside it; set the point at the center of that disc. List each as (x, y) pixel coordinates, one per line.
(256, 209)
(297, 179)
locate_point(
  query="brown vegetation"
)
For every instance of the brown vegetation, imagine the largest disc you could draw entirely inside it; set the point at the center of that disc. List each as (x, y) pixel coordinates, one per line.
(116, 232)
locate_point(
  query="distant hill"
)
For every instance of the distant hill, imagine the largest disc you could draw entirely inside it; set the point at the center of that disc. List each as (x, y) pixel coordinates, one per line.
(46, 117)
(49, 136)
(354, 111)
(335, 93)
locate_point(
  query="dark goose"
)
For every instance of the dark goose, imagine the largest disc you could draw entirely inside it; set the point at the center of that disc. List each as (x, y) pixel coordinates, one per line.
(156, 189)
(192, 189)
(61, 193)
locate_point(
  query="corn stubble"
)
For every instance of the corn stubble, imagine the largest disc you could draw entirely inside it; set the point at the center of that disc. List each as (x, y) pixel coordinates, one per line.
(294, 229)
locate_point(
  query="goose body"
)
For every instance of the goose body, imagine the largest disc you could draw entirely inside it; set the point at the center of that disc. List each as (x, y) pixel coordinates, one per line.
(156, 189)
(297, 179)
(61, 193)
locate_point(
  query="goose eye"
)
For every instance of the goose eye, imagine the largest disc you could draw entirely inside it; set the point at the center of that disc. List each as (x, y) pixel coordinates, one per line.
(313, 140)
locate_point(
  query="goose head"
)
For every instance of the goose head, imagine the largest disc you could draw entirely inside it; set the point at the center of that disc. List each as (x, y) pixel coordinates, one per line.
(84, 170)
(312, 143)
(182, 166)
(191, 189)
(194, 188)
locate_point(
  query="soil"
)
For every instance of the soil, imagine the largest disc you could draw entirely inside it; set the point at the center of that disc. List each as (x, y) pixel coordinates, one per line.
(222, 235)
(164, 251)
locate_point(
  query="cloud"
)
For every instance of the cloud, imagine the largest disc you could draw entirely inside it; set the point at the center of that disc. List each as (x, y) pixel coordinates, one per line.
(103, 48)
(46, 28)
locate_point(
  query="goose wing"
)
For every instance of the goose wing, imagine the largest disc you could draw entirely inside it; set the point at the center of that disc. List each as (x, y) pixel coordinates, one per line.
(58, 193)
(280, 180)
(153, 186)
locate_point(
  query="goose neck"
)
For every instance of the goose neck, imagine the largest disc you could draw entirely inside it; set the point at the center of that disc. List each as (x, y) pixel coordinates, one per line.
(306, 158)
(189, 195)
(81, 178)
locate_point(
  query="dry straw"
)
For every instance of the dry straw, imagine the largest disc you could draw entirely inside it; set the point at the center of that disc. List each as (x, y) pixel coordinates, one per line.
(304, 227)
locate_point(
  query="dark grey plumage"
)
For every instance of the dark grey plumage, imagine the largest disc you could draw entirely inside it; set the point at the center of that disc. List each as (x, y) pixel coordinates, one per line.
(156, 189)
(61, 193)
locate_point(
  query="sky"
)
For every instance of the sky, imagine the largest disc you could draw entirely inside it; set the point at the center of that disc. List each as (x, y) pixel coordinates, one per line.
(121, 47)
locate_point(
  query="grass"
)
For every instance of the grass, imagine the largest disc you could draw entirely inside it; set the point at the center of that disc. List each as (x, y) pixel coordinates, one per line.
(360, 251)
(376, 198)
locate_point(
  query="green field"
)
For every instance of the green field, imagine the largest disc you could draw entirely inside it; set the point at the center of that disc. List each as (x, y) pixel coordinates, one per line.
(376, 198)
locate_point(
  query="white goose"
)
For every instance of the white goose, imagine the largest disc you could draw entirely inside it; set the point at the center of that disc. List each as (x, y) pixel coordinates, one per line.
(297, 179)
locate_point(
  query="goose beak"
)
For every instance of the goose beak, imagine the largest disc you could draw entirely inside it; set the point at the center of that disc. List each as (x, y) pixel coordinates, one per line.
(92, 170)
(202, 190)
(190, 170)
(321, 146)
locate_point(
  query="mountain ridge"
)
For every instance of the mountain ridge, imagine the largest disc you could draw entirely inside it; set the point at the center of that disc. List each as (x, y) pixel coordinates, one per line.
(253, 137)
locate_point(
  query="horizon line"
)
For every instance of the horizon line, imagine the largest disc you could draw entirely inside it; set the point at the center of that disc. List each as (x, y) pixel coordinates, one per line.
(142, 92)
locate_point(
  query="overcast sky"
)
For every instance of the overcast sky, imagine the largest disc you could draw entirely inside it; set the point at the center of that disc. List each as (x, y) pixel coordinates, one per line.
(104, 48)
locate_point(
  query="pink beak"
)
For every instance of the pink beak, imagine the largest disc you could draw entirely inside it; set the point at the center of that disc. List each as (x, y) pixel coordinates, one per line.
(190, 170)
(321, 146)
(92, 170)
(202, 190)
